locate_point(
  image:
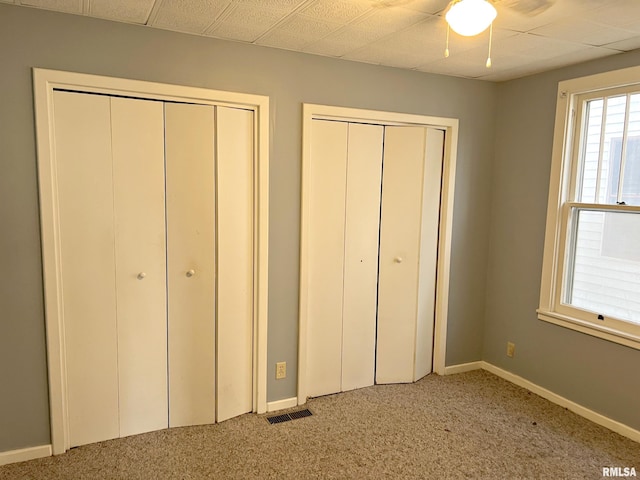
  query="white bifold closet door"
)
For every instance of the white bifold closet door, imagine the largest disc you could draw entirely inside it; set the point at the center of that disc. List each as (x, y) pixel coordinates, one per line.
(156, 239)
(202, 309)
(408, 252)
(344, 213)
(373, 215)
(191, 202)
(112, 235)
(235, 154)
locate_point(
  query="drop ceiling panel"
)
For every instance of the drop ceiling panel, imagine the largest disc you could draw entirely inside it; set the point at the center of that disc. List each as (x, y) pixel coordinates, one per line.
(336, 11)
(625, 45)
(534, 47)
(392, 58)
(525, 15)
(346, 40)
(584, 31)
(390, 20)
(541, 65)
(457, 68)
(122, 10)
(304, 28)
(67, 6)
(245, 23)
(193, 16)
(618, 13)
(425, 6)
(412, 40)
(288, 5)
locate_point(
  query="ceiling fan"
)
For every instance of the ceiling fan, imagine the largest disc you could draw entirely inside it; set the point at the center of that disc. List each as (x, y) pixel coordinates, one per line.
(471, 17)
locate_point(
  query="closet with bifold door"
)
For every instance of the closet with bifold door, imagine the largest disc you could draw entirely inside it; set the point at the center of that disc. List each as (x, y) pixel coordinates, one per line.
(372, 223)
(156, 258)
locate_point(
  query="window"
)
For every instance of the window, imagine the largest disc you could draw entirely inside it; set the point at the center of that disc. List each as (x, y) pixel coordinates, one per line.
(591, 269)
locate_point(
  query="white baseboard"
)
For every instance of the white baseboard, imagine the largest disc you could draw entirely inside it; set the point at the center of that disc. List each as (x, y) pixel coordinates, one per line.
(282, 404)
(24, 454)
(595, 417)
(463, 367)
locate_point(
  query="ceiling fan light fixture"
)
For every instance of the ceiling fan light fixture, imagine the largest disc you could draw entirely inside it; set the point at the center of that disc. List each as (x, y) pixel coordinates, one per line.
(470, 17)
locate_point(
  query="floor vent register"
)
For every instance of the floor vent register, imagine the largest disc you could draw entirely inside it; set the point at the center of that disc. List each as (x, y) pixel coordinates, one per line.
(287, 417)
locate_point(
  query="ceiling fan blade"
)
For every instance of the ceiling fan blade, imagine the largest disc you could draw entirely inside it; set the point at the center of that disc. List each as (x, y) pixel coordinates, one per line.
(527, 7)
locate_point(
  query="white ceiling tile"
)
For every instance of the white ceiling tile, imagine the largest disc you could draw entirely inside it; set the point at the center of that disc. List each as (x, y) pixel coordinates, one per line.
(390, 20)
(424, 6)
(443, 67)
(67, 6)
(582, 55)
(345, 40)
(307, 29)
(525, 15)
(503, 75)
(583, 31)
(327, 48)
(122, 10)
(336, 11)
(534, 46)
(416, 38)
(192, 16)
(625, 45)
(393, 58)
(280, 39)
(540, 65)
(288, 5)
(618, 13)
(245, 22)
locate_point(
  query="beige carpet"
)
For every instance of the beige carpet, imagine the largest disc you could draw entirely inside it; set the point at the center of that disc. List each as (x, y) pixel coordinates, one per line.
(473, 425)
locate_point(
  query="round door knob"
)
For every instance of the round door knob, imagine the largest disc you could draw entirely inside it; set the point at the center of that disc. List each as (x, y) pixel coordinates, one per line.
(141, 275)
(191, 273)
(398, 259)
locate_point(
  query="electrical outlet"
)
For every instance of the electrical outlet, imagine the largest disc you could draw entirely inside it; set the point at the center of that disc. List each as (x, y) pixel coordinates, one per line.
(511, 349)
(281, 370)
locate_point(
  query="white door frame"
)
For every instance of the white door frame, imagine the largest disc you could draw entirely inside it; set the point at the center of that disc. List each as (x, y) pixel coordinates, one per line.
(44, 83)
(450, 125)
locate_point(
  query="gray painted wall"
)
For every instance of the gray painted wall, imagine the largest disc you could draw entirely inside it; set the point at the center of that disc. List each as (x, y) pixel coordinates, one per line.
(595, 373)
(36, 38)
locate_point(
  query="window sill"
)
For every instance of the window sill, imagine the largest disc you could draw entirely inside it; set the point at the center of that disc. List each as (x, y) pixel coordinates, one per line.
(616, 336)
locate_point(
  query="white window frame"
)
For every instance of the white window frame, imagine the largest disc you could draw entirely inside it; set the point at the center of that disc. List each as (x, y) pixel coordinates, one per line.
(565, 158)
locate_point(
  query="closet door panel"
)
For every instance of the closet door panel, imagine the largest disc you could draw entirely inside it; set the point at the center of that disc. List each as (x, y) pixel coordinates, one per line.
(429, 252)
(399, 253)
(189, 140)
(326, 227)
(364, 169)
(235, 262)
(85, 203)
(138, 185)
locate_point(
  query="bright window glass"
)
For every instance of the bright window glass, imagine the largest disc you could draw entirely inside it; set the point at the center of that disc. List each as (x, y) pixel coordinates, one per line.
(604, 273)
(591, 265)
